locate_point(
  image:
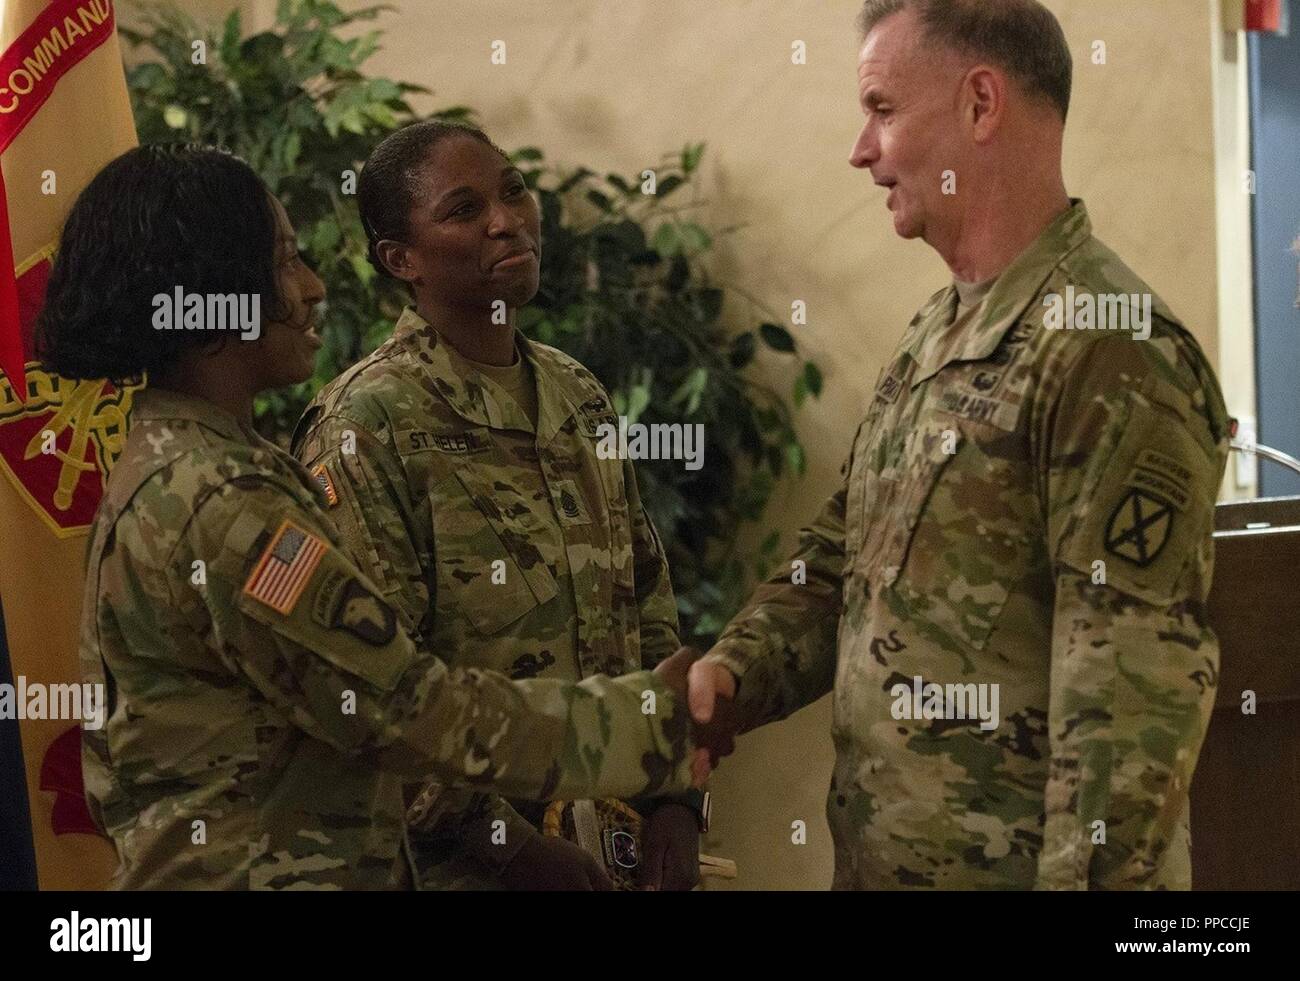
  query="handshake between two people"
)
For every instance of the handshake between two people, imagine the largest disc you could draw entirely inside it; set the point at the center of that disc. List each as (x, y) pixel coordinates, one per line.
(709, 690)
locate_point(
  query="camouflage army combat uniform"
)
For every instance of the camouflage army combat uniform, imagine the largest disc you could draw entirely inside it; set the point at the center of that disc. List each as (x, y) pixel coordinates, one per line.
(265, 704)
(1024, 507)
(502, 539)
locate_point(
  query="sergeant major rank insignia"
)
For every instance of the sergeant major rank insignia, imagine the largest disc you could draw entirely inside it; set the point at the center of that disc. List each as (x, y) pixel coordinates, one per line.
(571, 508)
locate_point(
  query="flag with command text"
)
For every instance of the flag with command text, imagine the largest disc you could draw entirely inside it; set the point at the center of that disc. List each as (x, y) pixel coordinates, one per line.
(64, 113)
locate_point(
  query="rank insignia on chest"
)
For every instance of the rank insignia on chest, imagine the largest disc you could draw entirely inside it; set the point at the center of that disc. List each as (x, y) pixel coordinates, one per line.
(1139, 528)
(321, 475)
(285, 567)
(890, 389)
(569, 504)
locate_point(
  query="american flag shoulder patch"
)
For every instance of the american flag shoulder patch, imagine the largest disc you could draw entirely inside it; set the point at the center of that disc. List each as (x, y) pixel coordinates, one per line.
(322, 475)
(285, 567)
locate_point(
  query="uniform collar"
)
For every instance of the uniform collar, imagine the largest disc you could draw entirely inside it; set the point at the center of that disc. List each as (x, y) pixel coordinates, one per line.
(1012, 293)
(166, 405)
(477, 398)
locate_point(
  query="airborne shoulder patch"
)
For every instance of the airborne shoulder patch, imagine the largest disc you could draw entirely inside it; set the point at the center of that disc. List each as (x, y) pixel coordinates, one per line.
(285, 567)
(343, 603)
(321, 474)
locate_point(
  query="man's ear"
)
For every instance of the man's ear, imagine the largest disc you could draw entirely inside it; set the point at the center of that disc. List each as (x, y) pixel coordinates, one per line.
(985, 91)
(396, 258)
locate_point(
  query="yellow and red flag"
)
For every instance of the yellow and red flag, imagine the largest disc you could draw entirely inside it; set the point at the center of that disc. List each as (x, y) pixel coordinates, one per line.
(64, 113)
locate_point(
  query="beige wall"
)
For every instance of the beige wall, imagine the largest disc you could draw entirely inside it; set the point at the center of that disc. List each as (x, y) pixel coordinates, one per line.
(614, 84)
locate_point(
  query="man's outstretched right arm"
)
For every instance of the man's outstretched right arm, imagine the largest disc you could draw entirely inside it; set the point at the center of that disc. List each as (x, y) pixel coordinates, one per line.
(781, 647)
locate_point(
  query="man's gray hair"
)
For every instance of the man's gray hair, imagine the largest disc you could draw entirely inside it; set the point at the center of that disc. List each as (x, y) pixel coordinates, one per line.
(1022, 37)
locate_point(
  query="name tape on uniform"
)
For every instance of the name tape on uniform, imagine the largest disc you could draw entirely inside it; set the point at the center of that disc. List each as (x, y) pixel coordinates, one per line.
(978, 408)
(418, 440)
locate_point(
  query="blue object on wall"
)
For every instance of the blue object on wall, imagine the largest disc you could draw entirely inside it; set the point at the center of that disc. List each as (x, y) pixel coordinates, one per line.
(1275, 151)
(17, 853)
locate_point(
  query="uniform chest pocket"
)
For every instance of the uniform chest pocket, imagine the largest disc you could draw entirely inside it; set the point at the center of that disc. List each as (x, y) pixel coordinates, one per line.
(895, 499)
(487, 571)
(923, 534)
(949, 540)
(861, 489)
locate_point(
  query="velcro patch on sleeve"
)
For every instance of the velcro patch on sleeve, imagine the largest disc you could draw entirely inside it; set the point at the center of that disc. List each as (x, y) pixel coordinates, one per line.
(343, 602)
(1146, 509)
(321, 474)
(285, 567)
(1139, 528)
(1163, 476)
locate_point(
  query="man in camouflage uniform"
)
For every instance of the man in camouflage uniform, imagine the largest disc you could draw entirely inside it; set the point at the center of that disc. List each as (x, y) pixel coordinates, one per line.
(1023, 507)
(475, 495)
(265, 703)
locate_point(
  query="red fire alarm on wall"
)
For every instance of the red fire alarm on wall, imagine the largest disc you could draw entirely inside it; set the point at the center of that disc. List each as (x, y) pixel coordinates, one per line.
(1264, 15)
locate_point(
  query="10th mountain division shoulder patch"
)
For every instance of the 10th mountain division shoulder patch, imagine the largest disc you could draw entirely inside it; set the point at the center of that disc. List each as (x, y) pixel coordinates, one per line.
(1139, 527)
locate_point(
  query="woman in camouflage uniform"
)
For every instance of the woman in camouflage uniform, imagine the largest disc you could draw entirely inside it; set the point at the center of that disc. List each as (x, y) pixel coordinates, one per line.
(460, 462)
(264, 703)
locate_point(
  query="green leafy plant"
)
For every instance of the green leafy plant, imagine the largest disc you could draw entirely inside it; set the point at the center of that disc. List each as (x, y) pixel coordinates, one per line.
(293, 102)
(625, 291)
(624, 285)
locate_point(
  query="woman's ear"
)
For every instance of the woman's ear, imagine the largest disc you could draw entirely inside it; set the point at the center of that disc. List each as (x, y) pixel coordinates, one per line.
(396, 258)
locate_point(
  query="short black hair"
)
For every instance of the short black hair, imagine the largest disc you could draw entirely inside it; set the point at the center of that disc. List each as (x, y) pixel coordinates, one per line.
(388, 184)
(159, 216)
(1021, 37)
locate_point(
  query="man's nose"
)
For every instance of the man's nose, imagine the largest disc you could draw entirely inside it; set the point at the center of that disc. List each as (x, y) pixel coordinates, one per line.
(866, 150)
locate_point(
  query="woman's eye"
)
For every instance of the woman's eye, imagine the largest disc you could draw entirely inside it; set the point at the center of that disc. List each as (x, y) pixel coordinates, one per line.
(463, 211)
(517, 189)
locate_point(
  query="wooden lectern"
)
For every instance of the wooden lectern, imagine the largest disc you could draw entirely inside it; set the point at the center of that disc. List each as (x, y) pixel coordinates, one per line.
(1246, 789)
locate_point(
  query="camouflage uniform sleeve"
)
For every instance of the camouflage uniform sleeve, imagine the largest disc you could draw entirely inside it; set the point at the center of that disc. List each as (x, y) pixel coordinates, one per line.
(657, 611)
(313, 637)
(379, 524)
(371, 507)
(1131, 453)
(654, 589)
(781, 647)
